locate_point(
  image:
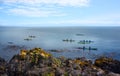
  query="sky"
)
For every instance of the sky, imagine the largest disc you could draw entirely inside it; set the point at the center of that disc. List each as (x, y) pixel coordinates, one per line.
(59, 13)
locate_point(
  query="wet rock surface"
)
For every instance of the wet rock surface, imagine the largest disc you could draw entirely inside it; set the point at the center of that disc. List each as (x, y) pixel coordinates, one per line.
(37, 62)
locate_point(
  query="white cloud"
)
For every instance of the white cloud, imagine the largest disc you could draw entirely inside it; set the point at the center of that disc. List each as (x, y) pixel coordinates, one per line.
(75, 3)
(40, 8)
(12, 8)
(33, 12)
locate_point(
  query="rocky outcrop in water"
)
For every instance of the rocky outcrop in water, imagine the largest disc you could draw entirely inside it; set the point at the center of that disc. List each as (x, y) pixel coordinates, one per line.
(37, 62)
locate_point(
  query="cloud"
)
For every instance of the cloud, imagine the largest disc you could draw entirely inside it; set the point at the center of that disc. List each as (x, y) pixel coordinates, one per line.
(24, 8)
(40, 8)
(33, 12)
(75, 3)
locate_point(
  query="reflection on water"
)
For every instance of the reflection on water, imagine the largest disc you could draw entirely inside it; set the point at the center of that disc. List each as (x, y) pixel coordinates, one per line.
(65, 40)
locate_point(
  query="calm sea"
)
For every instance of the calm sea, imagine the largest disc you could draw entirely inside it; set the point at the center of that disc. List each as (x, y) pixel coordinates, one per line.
(69, 41)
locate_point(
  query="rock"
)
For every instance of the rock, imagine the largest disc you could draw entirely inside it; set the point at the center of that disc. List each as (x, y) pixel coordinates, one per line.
(83, 63)
(33, 72)
(56, 61)
(3, 68)
(100, 72)
(59, 72)
(113, 74)
(108, 64)
(2, 60)
(68, 63)
(76, 72)
(37, 62)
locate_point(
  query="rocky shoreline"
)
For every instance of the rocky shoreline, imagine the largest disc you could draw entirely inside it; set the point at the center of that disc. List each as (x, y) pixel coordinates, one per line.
(37, 62)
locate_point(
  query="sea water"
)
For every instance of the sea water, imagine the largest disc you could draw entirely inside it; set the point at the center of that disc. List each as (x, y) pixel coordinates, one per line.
(105, 40)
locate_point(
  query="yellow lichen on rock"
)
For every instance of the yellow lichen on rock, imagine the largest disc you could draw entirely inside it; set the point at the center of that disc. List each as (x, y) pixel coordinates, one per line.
(34, 53)
(103, 60)
(23, 52)
(81, 63)
(77, 61)
(41, 52)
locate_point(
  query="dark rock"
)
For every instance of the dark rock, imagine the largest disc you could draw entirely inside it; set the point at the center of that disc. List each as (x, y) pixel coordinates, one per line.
(59, 72)
(76, 72)
(76, 67)
(2, 60)
(3, 67)
(108, 64)
(69, 62)
(113, 74)
(33, 72)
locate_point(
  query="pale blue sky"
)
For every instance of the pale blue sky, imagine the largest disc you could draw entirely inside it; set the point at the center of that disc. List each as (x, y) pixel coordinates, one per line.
(60, 12)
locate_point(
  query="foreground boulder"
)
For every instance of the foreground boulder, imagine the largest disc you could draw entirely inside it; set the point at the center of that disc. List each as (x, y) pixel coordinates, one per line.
(28, 62)
(108, 64)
